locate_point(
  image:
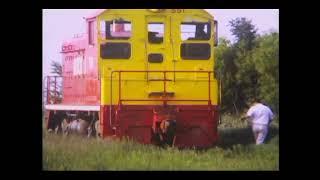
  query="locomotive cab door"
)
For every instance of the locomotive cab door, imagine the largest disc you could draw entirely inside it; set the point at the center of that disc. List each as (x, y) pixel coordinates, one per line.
(192, 41)
(158, 52)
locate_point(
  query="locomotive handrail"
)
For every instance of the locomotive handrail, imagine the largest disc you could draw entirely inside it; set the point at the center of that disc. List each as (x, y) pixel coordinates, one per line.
(164, 80)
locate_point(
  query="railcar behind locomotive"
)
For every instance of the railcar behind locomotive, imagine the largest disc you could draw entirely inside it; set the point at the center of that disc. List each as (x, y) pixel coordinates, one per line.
(145, 74)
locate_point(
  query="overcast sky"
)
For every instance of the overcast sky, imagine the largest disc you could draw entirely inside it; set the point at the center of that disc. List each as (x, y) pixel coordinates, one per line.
(62, 24)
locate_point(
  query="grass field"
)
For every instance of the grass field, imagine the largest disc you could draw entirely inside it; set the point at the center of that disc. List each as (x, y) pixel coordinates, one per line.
(235, 151)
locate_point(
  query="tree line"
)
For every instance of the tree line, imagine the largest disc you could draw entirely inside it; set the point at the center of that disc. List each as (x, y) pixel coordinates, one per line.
(248, 68)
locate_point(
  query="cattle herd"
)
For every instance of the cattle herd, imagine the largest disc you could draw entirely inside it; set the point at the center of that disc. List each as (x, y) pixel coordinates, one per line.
(61, 123)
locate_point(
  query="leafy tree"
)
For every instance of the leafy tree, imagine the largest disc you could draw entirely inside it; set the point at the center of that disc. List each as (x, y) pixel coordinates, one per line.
(244, 31)
(248, 68)
(226, 68)
(267, 64)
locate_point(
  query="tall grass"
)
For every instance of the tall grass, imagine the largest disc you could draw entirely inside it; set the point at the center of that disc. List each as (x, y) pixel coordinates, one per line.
(235, 151)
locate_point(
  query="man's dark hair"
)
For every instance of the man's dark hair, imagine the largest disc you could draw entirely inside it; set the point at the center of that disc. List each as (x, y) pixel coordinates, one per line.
(257, 99)
(253, 100)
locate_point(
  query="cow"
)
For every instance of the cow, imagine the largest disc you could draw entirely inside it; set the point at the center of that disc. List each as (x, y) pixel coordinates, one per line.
(94, 128)
(97, 128)
(55, 119)
(78, 126)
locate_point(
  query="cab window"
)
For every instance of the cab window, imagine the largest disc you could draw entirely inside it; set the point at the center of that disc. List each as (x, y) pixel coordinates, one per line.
(195, 51)
(155, 33)
(195, 31)
(116, 29)
(115, 50)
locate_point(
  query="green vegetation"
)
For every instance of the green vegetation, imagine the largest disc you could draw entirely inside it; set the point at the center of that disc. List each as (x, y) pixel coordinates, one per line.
(248, 68)
(235, 151)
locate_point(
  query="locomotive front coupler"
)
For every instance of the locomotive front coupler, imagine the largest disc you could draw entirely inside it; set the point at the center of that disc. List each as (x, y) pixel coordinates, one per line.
(164, 124)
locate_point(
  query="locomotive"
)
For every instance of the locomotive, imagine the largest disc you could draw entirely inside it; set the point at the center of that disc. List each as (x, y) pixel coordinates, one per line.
(143, 74)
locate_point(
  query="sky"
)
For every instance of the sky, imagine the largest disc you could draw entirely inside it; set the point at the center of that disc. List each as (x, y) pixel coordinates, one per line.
(62, 24)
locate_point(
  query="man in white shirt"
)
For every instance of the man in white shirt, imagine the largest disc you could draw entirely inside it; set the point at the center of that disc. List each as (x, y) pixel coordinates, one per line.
(260, 116)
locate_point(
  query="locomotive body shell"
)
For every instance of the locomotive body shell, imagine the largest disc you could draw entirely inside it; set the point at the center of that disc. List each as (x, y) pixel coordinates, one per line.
(133, 62)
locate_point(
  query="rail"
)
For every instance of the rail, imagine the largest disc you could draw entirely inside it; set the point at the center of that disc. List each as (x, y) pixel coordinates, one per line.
(165, 99)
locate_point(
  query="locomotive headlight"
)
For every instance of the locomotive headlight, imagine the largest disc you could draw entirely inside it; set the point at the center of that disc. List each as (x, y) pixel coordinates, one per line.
(155, 10)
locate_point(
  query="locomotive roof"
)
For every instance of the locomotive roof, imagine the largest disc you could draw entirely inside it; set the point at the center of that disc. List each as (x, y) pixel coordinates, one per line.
(100, 11)
(95, 14)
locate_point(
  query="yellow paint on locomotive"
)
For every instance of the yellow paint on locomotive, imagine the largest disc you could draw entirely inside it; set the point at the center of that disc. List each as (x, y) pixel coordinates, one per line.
(135, 85)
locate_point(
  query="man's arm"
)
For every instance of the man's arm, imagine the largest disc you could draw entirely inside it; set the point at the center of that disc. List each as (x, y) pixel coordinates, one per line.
(271, 116)
(247, 116)
(244, 117)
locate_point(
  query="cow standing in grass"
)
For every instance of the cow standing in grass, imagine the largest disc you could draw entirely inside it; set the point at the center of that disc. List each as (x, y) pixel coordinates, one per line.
(78, 126)
(94, 128)
(97, 128)
(55, 121)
